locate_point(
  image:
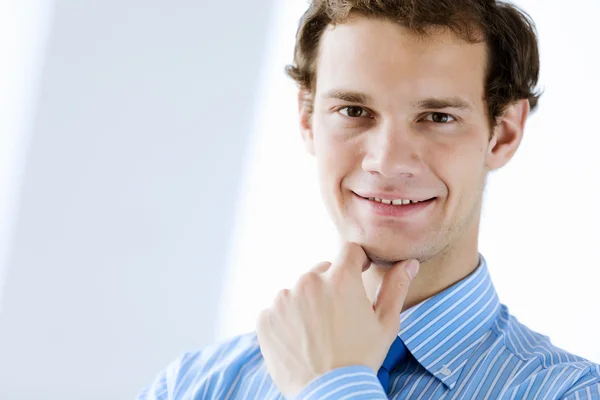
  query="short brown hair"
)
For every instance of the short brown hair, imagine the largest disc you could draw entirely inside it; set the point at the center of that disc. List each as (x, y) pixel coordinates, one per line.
(510, 34)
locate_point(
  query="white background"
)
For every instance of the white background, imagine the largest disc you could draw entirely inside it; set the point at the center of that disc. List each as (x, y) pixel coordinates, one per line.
(541, 220)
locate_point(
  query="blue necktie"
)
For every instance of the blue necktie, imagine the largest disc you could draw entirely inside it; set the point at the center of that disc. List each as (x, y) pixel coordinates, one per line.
(394, 357)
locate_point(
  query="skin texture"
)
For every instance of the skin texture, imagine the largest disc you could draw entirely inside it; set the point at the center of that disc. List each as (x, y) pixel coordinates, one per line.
(394, 113)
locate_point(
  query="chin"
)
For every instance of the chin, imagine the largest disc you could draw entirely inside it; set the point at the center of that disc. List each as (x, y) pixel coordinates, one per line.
(385, 250)
(386, 254)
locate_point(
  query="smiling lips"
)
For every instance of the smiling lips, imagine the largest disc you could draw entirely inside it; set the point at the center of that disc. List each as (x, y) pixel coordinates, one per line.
(396, 199)
(395, 207)
(396, 202)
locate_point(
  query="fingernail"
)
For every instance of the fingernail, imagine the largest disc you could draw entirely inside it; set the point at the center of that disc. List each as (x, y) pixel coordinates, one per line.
(412, 268)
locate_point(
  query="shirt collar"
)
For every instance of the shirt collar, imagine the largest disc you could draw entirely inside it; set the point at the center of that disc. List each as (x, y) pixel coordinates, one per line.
(443, 331)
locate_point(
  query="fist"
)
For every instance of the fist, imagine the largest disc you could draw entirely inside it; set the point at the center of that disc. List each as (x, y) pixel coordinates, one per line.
(326, 320)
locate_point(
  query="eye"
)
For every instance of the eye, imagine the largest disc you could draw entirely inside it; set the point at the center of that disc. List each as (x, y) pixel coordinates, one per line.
(440, 118)
(354, 111)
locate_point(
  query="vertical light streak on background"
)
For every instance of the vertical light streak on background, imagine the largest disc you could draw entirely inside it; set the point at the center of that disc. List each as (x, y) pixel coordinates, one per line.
(23, 29)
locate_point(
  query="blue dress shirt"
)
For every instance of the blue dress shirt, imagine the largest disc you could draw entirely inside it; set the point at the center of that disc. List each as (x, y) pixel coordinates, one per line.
(462, 344)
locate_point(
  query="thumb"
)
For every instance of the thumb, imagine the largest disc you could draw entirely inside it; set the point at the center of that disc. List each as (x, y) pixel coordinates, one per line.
(393, 290)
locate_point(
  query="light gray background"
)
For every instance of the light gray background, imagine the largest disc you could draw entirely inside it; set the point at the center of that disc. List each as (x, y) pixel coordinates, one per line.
(131, 173)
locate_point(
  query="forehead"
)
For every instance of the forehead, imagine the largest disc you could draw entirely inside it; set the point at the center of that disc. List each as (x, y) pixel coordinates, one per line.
(382, 58)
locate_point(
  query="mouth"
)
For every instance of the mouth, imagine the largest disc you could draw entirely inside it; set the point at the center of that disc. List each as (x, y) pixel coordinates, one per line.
(396, 202)
(396, 207)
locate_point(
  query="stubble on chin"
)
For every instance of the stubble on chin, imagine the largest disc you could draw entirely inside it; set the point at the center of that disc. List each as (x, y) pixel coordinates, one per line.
(380, 261)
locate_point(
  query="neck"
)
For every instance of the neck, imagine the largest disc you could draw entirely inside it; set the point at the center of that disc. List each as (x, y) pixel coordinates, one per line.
(435, 274)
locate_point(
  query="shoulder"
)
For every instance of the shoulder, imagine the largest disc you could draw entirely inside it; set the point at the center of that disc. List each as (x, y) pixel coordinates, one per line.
(205, 371)
(544, 369)
(587, 387)
(220, 354)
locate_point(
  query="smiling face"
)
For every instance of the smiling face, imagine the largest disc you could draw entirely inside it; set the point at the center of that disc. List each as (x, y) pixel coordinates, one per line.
(397, 116)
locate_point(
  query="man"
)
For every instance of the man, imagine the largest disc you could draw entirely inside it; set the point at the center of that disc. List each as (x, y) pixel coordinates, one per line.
(406, 106)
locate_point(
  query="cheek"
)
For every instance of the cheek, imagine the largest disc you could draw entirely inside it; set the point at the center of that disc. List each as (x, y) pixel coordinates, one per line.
(333, 165)
(460, 166)
(337, 154)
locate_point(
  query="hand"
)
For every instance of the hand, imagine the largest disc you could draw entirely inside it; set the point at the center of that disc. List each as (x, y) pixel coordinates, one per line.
(326, 321)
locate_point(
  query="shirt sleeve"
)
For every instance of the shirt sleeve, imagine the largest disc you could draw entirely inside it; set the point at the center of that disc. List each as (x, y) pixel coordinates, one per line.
(162, 387)
(586, 388)
(157, 390)
(355, 383)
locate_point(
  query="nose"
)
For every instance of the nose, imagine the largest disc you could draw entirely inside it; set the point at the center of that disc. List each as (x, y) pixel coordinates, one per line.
(392, 152)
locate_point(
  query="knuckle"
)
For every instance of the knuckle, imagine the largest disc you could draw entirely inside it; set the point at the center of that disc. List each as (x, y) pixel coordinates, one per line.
(308, 281)
(283, 294)
(339, 276)
(281, 298)
(340, 281)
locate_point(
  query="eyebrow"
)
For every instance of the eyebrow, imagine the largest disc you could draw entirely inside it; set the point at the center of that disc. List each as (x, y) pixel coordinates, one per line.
(435, 103)
(348, 96)
(446, 102)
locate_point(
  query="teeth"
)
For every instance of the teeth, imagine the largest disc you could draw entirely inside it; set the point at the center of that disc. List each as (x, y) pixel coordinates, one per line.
(395, 202)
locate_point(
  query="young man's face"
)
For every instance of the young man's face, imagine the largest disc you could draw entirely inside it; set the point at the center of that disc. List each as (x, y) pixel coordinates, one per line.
(399, 116)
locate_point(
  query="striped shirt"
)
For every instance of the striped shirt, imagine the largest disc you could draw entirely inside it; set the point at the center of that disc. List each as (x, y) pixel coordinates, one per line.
(463, 344)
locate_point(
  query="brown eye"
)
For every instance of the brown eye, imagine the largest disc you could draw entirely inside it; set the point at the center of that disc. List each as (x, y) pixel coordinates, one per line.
(440, 118)
(353, 111)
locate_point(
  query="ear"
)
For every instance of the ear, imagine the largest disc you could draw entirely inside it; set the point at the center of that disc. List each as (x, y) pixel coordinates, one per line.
(305, 109)
(507, 134)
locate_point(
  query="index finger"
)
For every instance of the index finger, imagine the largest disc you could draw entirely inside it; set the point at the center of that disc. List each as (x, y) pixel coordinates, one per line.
(352, 257)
